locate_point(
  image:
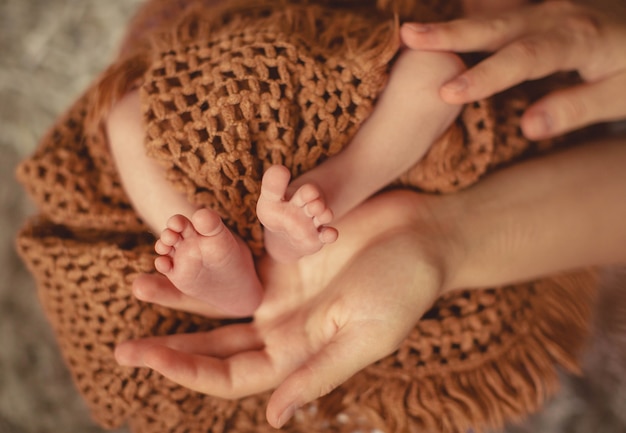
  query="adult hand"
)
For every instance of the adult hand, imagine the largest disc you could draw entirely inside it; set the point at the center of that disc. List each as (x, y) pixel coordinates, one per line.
(333, 313)
(321, 320)
(533, 42)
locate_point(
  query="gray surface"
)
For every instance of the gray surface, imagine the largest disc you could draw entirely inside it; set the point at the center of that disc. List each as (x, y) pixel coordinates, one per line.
(49, 51)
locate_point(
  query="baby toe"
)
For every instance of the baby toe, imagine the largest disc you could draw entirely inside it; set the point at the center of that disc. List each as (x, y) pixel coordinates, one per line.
(177, 223)
(207, 222)
(328, 235)
(274, 183)
(324, 216)
(163, 264)
(305, 195)
(169, 238)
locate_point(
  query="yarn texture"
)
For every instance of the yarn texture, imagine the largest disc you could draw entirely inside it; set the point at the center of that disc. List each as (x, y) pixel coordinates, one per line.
(227, 89)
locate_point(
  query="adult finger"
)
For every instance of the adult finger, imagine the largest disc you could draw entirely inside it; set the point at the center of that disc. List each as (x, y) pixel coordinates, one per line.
(157, 289)
(220, 343)
(471, 34)
(525, 59)
(347, 353)
(570, 109)
(237, 376)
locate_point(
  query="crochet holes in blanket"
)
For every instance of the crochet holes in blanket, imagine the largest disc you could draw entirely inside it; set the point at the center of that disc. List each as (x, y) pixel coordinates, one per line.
(221, 111)
(227, 91)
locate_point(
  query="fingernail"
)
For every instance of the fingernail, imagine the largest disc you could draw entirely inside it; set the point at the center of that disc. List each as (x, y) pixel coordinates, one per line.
(457, 85)
(538, 125)
(418, 27)
(286, 415)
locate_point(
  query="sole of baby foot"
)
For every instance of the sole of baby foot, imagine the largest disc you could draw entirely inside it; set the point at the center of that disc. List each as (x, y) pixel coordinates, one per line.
(205, 260)
(294, 226)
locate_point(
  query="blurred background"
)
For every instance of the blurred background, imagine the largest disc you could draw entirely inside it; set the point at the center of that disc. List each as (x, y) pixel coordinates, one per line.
(50, 50)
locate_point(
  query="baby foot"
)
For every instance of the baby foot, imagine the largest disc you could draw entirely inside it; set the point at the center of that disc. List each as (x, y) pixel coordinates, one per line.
(203, 259)
(294, 227)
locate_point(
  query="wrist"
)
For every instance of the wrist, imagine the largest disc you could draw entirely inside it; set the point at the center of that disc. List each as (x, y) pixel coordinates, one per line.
(440, 238)
(554, 213)
(450, 245)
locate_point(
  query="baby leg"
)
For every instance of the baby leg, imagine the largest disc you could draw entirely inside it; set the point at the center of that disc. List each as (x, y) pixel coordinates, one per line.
(409, 117)
(153, 197)
(294, 221)
(198, 253)
(205, 260)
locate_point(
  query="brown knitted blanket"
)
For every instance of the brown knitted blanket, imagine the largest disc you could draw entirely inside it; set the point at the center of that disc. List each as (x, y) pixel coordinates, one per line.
(228, 89)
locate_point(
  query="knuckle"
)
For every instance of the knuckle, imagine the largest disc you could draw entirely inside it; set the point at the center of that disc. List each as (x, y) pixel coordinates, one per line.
(232, 389)
(525, 49)
(576, 19)
(495, 30)
(497, 25)
(583, 25)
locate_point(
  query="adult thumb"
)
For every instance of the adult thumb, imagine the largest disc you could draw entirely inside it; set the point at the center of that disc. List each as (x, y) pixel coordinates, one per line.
(335, 363)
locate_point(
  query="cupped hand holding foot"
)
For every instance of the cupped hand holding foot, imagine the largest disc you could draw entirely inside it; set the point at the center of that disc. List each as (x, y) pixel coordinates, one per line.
(331, 314)
(361, 296)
